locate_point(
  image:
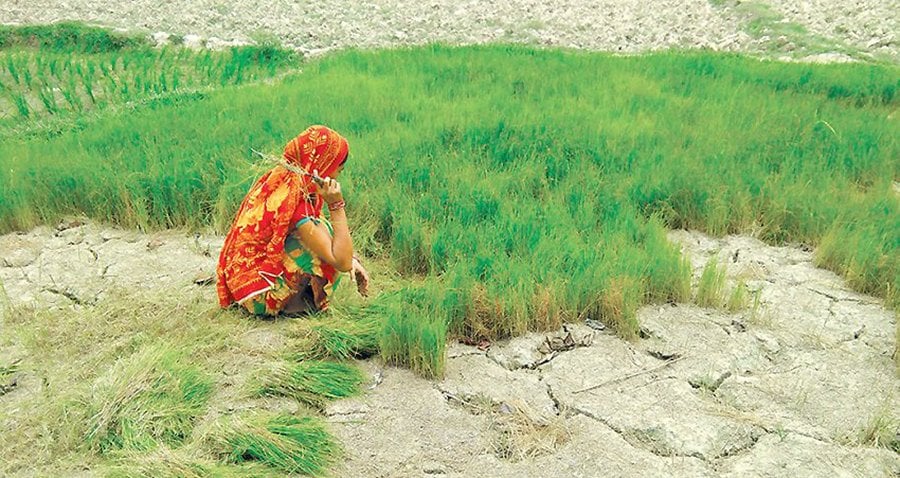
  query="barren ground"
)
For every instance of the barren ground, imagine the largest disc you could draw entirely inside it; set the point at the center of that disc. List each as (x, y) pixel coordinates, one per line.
(786, 388)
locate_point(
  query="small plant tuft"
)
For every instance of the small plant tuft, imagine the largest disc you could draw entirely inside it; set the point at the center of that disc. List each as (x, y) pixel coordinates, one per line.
(710, 290)
(739, 297)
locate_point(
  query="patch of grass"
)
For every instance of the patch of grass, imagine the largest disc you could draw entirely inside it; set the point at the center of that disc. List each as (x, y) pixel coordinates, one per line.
(412, 338)
(162, 462)
(338, 338)
(149, 398)
(521, 434)
(67, 37)
(99, 380)
(284, 443)
(881, 430)
(312, 382)
(184, 462)
(739, 297)
(618, 308)
(711, 288)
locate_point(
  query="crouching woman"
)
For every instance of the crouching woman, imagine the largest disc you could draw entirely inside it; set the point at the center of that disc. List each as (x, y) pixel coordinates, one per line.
(281, 255)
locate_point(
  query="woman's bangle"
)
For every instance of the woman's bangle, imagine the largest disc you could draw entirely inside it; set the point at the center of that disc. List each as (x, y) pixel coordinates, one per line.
(336, 205)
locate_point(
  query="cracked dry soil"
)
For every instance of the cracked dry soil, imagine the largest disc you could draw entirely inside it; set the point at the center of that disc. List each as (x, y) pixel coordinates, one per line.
(782, 389)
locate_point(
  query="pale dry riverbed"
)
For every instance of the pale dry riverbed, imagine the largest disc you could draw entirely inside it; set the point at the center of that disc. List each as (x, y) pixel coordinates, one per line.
(783, 389)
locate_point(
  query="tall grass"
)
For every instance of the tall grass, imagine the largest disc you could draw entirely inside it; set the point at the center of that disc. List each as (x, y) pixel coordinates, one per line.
(412, 336)
(711, 287)
(522, 187)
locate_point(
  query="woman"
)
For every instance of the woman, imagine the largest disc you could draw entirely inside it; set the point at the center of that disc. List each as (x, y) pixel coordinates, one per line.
(281, 255)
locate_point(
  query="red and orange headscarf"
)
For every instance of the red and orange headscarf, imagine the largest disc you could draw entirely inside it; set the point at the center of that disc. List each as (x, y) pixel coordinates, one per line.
(254, 248)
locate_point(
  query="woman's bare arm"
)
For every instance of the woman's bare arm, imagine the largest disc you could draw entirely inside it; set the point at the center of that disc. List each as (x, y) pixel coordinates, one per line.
(336, 250)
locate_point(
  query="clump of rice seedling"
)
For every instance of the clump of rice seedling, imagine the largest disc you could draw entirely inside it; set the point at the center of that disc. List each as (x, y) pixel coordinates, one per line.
(739, 297)
(313, 382)
(618, 307)
(162, 462)
(284, 443)
(340, 339)
(710, 290)
(414, 338)
(149, 398)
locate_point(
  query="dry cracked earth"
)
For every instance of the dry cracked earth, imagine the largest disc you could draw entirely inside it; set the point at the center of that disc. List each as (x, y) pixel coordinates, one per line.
(785, 388)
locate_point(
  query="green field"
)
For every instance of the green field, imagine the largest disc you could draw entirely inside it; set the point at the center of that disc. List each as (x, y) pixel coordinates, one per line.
(507, 189)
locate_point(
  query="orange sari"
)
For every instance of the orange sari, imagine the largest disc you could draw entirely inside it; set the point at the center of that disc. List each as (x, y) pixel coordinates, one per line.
(252, 260)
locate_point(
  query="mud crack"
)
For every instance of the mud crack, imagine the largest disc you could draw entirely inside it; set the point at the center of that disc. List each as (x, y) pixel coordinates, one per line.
(556, 403)
(68, 295)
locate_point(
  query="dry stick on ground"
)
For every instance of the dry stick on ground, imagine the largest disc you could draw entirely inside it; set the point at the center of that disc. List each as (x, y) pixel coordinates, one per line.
(631, 375)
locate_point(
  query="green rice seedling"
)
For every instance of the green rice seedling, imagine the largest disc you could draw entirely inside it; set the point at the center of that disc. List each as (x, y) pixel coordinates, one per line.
(340, 339)
(414, 338)
(618, 307)
(87, 83)
(47, 97)
(287, 444)
(25, 69)
(758, 314)
(739, 297)
(70, 93)
(22, 107)
(162, 462)
(312, 382)
(152, 397)
(710, 289)
(54, 67)
(13, 69)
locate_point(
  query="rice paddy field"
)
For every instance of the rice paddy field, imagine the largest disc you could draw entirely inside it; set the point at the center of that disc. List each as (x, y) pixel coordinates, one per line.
(497, 189)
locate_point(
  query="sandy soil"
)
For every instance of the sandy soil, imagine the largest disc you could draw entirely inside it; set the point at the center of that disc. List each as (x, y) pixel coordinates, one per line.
(781, 390)
(611, 25)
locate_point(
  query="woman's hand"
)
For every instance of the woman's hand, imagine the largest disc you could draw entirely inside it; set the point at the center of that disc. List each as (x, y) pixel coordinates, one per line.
(330, 189)
(361, 275)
